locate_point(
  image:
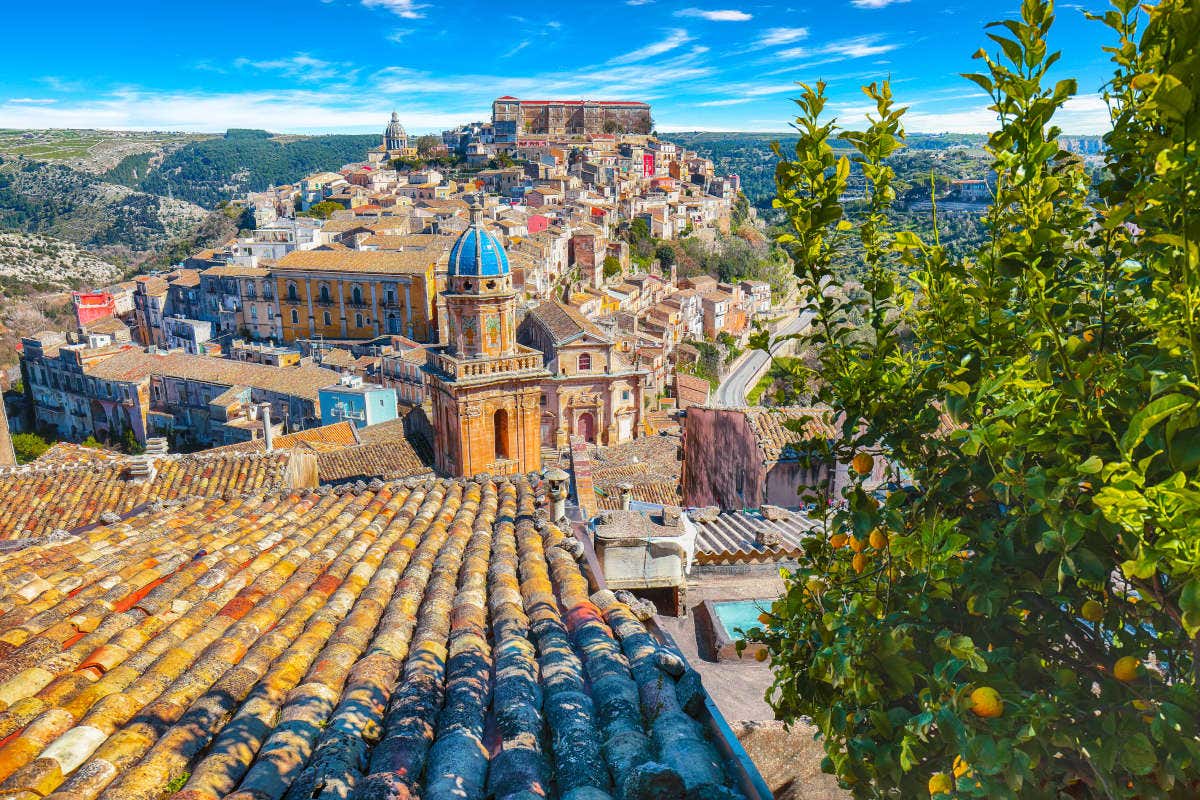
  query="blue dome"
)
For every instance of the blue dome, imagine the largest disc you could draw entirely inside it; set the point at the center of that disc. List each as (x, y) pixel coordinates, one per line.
(477, 252)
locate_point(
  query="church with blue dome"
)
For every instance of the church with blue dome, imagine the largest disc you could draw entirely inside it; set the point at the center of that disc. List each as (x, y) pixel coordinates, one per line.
(477, 252)
(485, 387)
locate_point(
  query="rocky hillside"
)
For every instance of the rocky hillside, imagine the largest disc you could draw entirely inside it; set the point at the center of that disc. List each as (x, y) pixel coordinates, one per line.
(31, 261)
(117, 223)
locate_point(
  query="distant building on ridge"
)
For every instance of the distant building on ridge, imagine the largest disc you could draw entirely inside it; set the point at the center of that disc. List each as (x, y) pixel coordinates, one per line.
(570, 117)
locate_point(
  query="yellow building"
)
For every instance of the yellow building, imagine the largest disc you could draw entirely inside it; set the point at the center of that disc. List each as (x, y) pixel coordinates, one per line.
(357, 294)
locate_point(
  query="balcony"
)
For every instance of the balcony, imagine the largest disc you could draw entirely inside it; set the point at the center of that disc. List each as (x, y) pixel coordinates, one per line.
(473, 369)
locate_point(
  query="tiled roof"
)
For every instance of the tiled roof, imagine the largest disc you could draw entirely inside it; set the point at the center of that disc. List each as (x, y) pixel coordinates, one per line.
(427, 639)
(661, 493)
(133, 365)
(71, 453)
(775, 439)
(368, 261)
(394, 431)
(36, 500)
(339, 434)
(563, 322)
(236, 271)
(387, 460)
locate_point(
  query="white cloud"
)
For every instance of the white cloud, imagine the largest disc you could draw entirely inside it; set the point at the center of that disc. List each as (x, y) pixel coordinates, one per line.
(1082, 114)
(777, 36)
(638, 2)
(397, 36)
(301, 67)
(731, 101)
(720, 15)
(875, 3)
(408, 9)
(857, 47)
(32, 101)
(518, 47)
(674, 39)
(285, 112)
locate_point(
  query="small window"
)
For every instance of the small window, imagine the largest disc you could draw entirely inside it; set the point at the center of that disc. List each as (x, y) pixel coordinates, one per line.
(585, 361)
(358, 320)
(327, 319)
(295, 317)
(625, 395)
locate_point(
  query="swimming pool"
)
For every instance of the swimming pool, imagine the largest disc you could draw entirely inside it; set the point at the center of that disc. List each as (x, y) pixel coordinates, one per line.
(717, 624)
(743, 614)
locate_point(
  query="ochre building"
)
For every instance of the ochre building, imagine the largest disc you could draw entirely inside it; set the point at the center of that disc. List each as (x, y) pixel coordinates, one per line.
(357, 294)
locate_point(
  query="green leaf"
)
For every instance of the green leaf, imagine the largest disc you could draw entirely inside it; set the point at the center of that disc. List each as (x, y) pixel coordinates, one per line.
(1189, 603)
(1154, 412)
(1137, 754)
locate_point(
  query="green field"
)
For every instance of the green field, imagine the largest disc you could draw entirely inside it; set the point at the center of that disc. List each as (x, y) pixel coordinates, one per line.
(94, 150)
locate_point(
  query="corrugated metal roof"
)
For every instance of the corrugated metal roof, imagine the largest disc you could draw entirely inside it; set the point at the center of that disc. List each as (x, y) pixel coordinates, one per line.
(731, 537)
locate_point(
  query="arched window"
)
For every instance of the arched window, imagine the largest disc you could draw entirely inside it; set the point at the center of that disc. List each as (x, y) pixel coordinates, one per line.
(328, 319)
(295, 317)
(500, 433)
(293, 295)
(356, 293)
(585, 361)
(325, 294)
(393, 323)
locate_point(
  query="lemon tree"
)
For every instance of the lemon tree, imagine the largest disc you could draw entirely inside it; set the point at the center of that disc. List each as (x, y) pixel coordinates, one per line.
(1023, 621)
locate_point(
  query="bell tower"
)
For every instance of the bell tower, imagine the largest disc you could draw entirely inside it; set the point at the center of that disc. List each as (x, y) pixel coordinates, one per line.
(485, 387)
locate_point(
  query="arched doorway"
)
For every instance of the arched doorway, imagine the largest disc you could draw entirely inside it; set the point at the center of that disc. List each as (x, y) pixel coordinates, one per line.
(500, 434)
(586, 427)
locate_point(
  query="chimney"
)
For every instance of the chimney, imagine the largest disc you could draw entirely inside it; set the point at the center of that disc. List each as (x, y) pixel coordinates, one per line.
(625, 492)
(268, 434)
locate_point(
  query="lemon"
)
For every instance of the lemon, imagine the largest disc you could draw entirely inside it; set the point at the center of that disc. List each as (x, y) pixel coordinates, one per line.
(1092, 611)
(940, 783)
(878, 539)
(859, 562)
(1126, 669)
(986, 703)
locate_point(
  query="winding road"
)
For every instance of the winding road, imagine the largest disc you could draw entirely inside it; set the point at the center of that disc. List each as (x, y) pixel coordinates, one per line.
(732, 391)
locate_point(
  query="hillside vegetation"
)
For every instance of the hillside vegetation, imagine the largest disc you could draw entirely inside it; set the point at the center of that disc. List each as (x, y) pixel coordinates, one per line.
(29, 261)
(117, 223)
(214, 170)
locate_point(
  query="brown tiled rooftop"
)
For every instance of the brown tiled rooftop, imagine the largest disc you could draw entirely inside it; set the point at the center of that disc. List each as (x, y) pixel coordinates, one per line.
(775, 438)
(339, 434)
(424, 639)
(131, 364)
(368, 261)
(563, 321)
(37, 500)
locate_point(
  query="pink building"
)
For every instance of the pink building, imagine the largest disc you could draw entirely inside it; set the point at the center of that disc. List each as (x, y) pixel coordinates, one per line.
(91, 306)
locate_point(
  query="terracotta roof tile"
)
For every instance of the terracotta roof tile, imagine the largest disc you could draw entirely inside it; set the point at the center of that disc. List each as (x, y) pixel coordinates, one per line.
(426, 639)
(775, 438)
(40, 499)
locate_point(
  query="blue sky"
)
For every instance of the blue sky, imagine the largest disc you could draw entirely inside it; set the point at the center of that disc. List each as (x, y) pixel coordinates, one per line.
(309, 66)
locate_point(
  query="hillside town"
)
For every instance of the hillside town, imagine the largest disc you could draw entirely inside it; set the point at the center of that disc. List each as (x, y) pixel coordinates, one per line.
(390, 284)
(490, 316)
